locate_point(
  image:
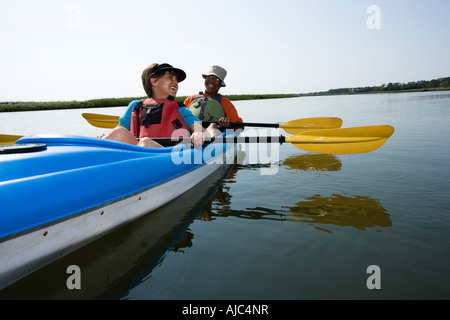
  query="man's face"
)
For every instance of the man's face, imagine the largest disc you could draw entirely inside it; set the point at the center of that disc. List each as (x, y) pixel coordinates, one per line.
(212, 84)
(165, 86)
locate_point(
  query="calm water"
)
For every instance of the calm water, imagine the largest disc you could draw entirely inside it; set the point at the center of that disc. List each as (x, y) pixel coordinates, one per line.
(309, 231)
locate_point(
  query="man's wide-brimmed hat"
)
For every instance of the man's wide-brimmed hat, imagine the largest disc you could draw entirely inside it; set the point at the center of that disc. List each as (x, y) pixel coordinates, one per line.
(181, 75)
(217, 71)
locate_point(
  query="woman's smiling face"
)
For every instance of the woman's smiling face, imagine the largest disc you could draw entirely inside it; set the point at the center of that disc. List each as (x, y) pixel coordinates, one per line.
(165, 86)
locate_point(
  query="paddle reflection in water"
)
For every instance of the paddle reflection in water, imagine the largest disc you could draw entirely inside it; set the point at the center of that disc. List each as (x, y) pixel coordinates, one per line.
(313, 162)
(304, 162)
(358, 211)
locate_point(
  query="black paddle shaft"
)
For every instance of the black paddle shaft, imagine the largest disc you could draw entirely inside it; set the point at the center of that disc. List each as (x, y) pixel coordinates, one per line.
(246, 124)
(273, 139)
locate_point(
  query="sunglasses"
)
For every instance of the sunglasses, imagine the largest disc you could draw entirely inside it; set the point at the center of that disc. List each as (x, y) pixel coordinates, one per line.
(213, 78)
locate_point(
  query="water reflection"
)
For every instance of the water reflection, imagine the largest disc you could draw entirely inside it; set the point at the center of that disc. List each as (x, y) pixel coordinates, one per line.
(313, 162)
(303, 162)
(360, 212)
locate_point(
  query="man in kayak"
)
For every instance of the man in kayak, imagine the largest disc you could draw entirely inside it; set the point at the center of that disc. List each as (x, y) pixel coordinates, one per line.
(211, 105)
(159, 115)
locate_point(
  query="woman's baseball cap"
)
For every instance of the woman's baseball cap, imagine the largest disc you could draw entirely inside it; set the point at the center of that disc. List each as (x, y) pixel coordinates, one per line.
(181, 75)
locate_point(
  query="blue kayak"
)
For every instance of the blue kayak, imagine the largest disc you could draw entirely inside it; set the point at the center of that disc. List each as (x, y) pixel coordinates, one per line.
(58, 193)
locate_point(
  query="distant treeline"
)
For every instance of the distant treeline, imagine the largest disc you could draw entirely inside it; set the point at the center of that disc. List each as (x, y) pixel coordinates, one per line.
(235, 97)
(55, 105)
(436, 84)
(112, 102)
(423, 85)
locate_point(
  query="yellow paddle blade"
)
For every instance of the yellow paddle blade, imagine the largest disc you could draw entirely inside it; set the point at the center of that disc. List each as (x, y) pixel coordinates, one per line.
(101, 120)
(9, 138)
(301, 125)
(342, 140)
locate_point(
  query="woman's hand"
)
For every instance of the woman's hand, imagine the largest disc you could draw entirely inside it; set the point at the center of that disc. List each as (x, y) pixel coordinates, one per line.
(197, 139)
(198, 135)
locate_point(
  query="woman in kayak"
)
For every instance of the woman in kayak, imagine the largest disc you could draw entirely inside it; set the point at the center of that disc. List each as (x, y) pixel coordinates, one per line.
(160, 115)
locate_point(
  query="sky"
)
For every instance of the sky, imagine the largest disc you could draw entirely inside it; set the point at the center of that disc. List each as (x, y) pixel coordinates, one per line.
(80, 50)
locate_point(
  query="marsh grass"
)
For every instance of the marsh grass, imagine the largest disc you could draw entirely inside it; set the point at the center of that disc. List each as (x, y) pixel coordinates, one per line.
(56, 105)
(111, 102)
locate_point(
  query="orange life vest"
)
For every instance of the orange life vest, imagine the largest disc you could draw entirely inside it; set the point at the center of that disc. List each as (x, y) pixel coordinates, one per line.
(158, 118)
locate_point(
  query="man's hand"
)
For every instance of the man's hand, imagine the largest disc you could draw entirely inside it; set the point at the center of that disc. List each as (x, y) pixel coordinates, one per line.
(224, 122)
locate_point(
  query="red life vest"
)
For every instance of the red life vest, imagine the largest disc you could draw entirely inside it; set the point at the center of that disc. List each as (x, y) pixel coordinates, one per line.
(158, 118)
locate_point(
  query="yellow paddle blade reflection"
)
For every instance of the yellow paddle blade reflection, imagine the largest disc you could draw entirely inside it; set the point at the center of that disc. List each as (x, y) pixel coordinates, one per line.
(360, 212)
(313, 162)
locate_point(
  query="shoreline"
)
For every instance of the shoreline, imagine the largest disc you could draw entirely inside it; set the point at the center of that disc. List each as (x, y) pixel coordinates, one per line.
(119, 102)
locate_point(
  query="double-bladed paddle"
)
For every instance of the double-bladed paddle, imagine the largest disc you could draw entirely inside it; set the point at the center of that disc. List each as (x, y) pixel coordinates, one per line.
(292, 127)
(329, 141)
